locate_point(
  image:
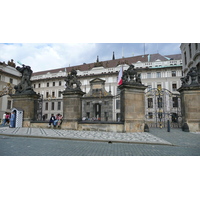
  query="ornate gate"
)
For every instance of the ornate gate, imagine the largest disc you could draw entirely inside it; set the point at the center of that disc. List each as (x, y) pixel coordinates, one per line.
(162, 105)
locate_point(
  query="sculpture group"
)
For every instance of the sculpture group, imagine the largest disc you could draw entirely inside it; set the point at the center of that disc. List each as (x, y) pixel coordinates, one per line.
(192, 78)
(24, 87)
(130, 76)
(72, 82)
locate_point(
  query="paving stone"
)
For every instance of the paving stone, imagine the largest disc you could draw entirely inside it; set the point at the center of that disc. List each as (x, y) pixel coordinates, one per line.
(140, 137)
(150, 144)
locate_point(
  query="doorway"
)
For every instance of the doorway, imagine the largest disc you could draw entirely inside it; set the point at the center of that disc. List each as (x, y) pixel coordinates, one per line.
(97, 111)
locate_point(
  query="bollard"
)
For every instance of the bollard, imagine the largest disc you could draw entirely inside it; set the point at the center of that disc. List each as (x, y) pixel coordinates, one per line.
(168, 126)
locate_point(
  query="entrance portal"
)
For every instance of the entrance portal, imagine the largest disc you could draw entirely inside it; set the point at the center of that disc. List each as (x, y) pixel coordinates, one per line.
(97, 110)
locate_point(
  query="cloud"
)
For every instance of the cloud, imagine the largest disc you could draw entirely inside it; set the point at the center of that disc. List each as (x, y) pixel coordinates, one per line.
(44, 56)
(47, 56)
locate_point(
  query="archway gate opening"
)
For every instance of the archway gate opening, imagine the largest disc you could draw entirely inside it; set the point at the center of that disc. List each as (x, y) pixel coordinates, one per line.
(162, 106)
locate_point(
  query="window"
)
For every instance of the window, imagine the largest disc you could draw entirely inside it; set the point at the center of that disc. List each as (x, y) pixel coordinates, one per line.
(52, 106)
(39, 85)
(150, 102)
(59, 94)
(174, 87)
(117, 104)
(59, 105)
(175, 102)
(47, 84)
(46, 106)
(148, 75)
(60, 83)
(190, 51)
(173, 73)
(150, 115)
(11, 80)
(33, 85)
(54, 83)
(185, 58)
(9, 104)
(88, 103)
(53, 94)
(158, 74)
(47, 94)
(196, 46)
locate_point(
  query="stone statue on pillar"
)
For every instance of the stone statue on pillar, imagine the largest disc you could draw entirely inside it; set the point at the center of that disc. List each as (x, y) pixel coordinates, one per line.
(131, 77)
(132, 101)
(72, 82)
(192, 78)
(24, 87)
(190, 99)
(72, 104)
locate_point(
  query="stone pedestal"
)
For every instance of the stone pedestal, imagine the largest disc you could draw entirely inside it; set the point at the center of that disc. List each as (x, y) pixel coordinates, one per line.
(72, 108)
(190, 105)
(133, 107)
(28, 103)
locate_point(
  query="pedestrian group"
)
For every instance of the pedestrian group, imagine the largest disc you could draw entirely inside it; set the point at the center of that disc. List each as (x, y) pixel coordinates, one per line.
(9, 119)
(55, 120)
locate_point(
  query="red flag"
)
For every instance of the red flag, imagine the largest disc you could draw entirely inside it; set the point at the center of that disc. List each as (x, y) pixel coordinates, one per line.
(120, 76)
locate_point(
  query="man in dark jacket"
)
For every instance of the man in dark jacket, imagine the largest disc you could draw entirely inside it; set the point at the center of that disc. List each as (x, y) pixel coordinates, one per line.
(52, 119)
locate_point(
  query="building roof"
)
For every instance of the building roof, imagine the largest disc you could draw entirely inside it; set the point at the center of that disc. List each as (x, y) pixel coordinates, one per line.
(174, 57)
(113, 63)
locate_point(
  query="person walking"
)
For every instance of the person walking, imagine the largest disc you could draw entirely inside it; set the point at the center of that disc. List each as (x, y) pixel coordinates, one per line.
(4, 119)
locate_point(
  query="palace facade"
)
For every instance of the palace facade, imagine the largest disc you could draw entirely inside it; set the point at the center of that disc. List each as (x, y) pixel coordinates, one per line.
(99, 82)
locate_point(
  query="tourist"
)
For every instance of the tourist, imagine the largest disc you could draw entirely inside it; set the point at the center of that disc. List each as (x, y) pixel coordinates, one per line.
(7, 118)
(4, 118)
(60, 120)
(56, 120)
(52, 119)
(12, 120)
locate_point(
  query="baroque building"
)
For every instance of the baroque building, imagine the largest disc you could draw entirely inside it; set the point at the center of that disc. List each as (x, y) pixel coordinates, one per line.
(9, 77)
(99, 82)
(190, 56)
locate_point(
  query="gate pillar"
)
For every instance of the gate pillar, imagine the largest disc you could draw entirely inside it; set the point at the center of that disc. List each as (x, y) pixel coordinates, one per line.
(190, 100)
(133, 107)
(132, 101)
(27, 102)
(72, 109)
(190, 107)
(72, 105)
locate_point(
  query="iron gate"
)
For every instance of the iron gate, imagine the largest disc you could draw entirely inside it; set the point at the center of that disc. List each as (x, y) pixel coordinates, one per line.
(162, 105)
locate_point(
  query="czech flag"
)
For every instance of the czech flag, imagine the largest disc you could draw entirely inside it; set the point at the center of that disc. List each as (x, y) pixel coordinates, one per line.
(120, 76)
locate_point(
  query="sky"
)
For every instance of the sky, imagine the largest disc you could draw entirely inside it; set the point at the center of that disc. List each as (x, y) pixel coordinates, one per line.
(45, 56)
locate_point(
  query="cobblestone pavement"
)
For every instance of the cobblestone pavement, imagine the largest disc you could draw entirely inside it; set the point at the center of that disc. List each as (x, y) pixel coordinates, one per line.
(140, 137)
(184, 144)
